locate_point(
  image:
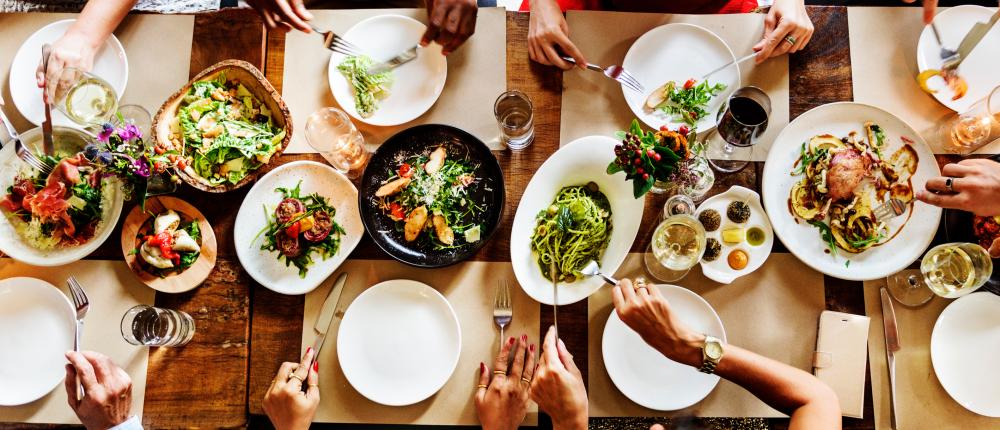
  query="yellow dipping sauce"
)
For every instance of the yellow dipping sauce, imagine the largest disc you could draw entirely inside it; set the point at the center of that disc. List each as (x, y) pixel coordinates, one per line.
(756, 236)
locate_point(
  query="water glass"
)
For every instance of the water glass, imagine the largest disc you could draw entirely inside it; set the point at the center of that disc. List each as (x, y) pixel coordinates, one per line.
(152, 326)
(741, 121)
(514, 115)
(976, 127)
(83, 97)
(331, 133)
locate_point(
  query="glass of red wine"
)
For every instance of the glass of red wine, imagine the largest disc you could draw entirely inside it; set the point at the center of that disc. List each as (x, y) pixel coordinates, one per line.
(741, 121)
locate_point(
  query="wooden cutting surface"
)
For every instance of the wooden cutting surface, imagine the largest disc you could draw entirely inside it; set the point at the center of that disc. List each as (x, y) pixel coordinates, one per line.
(245, 331)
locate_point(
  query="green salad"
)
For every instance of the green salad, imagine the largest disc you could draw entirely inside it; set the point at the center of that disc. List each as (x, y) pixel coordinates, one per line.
(225, 132)
(368, 88)
(299, 227)
(685, 102)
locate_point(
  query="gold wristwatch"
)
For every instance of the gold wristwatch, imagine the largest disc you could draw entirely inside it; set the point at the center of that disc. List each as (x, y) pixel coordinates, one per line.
(711, 354)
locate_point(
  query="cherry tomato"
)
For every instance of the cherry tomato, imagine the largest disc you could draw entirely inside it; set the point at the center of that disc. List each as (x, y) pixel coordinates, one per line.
(689, 84)
(396, 211)
(293, 230)
(406, 170)
(664, 128)
(684, 130)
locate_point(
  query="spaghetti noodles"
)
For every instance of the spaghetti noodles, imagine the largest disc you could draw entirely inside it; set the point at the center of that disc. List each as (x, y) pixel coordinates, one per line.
(573, 230)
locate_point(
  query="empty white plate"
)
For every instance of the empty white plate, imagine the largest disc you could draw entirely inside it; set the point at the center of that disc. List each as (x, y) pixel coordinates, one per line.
(416, 85)
(644, 375)
(399, 342)
(678, 52)
(37, 327)
(264, 266)
(979, 69)
(965, 345)
(110, 64)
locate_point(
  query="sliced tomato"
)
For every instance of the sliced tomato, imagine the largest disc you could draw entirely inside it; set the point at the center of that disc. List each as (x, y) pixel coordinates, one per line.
(288, 208)
(396, 211)
(293, 229)
(406, 170)
(689, 84)
(288, 245)
(322, 224)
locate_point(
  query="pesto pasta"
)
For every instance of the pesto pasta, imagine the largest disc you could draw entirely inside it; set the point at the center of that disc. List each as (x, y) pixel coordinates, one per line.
(573, 230)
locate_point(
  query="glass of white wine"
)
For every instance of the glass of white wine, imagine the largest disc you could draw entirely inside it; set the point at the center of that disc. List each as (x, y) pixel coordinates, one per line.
(678, 243)
(951, 271)
(85, 98)
(977, 126)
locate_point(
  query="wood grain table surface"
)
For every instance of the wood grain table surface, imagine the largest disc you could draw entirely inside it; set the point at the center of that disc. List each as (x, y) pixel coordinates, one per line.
(245, 331)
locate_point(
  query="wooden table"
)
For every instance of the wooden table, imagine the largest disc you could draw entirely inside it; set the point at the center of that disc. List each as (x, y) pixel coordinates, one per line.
(245, 331)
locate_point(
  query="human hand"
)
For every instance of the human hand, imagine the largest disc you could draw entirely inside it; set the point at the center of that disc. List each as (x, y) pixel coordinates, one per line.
(787, 29)
(558, 386)
(450, 23)
(975, 187)
(548, 34)
(74, 49)
(108, 389)
(502, 400)
(645, 310)
(285, 404)
(283, 15)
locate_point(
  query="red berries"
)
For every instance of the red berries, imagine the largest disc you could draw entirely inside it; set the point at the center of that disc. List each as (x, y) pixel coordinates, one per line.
(656, 156)
(637, 161)
(650, 152)
(689, 84)
(645, 176)
(640, 171)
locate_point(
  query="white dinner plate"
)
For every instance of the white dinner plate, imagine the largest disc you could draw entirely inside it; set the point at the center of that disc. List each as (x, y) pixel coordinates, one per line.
(37, 326)
(719, 270)
(979, 69)
(110, 64)
(583, 160)
(803, 240)
(399, 342)
(678, 52)
(965, 344)
(416, 85)
(644, 375)
(264, 266)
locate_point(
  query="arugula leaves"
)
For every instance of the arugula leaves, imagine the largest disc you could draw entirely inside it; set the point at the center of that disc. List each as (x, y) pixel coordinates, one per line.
(689, 104)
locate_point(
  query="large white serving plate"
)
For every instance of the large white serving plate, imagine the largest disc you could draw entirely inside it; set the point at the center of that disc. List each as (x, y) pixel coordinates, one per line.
(110, 64)
(399, 342)
(644, 375)
(416, 85)
(264, 266)
(964, 344)
(678, 52)
(37, 326)
(804, 240)
(979, 69)
(583, 160)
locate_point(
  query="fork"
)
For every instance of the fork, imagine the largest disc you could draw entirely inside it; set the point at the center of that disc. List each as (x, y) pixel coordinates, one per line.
(82, 304)
(615, 72)
(503, 310)
(947, 55)
(22, 152)
(889, 210)
(337, 44)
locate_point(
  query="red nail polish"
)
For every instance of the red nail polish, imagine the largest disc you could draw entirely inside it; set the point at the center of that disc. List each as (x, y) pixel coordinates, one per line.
(482, 367)
(316, 366)
(510, 341)
(308, 350)
(531, 348)
(524, 338)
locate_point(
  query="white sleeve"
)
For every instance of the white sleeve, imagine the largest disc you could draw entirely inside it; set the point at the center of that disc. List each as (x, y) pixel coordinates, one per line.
(130, 424)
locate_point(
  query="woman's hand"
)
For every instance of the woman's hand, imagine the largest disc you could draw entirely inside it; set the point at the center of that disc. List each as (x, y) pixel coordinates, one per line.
(975, 187)
(108, 389)
(74, 49)
(548, 35)
(502, 399)
(645, 310)
(558, 386)
(450, 23)
(283, 15)
(787, 29)
(288, 407)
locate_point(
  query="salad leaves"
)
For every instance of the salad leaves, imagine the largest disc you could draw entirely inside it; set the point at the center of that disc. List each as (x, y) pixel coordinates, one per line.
(368, 89)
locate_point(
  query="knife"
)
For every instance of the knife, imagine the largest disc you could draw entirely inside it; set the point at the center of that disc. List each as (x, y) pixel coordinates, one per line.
(724, 66)
(47, 145)
(891, 347)
(555, 297)
(402, 58)
(326, 314)
(971, 39)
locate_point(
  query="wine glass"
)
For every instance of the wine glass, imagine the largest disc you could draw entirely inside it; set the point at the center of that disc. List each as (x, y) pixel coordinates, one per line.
(951, 270)
(975, 127)
(741, 121)
(678, 243)
(331, 133)
(85, 98)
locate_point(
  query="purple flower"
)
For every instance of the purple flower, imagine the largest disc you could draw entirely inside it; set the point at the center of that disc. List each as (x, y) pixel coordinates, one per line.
(106, 132)
(129, 132)
(141, 167)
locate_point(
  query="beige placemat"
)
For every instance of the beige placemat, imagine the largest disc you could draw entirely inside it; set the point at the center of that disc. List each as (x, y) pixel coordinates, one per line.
(922, 401)
(469, 287)
(594, 105)
(112, 290)
(773, 312)
(884, 70)
(158, 49)
(477, 74)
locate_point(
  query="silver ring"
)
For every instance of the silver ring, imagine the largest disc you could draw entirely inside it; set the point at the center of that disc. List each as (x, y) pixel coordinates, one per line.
(790, 39)
(949, 184)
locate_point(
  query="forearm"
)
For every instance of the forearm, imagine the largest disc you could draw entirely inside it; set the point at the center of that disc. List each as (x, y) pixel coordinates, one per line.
(99, 19)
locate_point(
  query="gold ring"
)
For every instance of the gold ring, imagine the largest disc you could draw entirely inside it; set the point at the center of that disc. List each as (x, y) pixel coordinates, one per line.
(296, 377)
(790, 39)
(481, 386)
(499, 372)
(313, 385)
(526, 380)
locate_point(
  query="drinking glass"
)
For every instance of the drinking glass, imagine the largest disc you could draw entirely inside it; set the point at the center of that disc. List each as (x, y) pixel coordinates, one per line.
(152, 326)
(742, 119)
(975, 127)
(331, 133)
(514, 115)
(678, 243)
(85, 98)
(951, 270)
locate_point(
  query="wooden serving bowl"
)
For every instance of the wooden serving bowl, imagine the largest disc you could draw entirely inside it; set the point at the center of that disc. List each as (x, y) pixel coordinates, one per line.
(179, 282)
(258, 85)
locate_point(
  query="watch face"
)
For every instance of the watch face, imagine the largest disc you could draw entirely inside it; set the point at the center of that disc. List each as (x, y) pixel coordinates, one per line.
(713, 350)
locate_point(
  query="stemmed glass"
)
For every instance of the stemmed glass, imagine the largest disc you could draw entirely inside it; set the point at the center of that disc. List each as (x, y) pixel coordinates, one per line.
(678, 243)
(975, 127)
(950, 270)
(741, 121)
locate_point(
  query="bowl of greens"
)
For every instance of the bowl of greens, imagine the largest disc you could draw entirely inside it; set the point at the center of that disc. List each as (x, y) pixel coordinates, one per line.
(223, 127)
